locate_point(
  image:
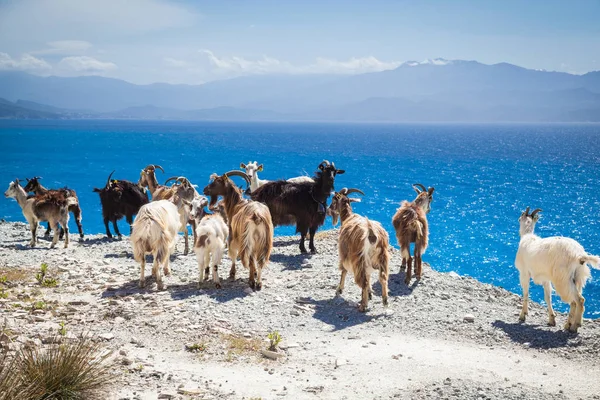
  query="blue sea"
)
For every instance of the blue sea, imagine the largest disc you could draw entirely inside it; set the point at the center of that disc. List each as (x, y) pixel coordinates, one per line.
(484, 175)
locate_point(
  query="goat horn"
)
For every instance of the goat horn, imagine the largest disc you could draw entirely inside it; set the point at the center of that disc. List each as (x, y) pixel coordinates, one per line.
(527, 211)
(325, 162)
(171, 179)
(184, 180)
(110, 176)
(423, 188)
(537, 210)
(237, 173)
(354, 190)
(159, 167)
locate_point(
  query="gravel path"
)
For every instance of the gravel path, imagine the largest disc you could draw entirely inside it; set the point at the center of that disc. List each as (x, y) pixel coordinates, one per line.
(445, 337)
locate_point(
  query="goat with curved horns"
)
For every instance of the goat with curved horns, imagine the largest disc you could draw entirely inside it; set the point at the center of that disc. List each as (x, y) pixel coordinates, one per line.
(363, 247)
(410, 224)
(148, 179)
(120, 198)
(554, 261)
(250, 226)
(301, 203)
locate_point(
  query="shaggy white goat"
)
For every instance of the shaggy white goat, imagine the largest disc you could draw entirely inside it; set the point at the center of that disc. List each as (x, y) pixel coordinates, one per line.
(211, 236)
(252, 169)
(557, 261)
(154, 231)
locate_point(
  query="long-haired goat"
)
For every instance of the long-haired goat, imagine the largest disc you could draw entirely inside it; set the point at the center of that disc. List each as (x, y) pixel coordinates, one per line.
(362, 245)
(250, 226)
(554, 261)
(410, 224)
(211, 237)
(45, 207)
(186, 191)
(34, 185)
(120, 198)
(253, 168)
(155, 232)
(303, 204)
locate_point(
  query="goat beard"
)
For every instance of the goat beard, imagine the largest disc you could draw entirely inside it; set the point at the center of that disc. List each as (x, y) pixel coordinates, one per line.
(213, 202)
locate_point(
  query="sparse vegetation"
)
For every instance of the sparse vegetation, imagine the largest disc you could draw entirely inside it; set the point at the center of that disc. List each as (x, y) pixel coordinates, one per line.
(3, 293)
(274, 340)
(63, 329)
(38, 305)
(75, 370)
(195, 347)
(41, 277)
(13, 275)
(238, 345)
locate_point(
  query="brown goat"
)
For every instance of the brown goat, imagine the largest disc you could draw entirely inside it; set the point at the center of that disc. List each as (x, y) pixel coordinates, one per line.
(410, 224)
(362, 245)
(45, 207)
(148, 180)
(34, 185)
(250, 226)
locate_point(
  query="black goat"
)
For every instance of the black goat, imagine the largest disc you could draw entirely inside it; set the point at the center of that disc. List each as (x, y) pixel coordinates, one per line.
(33, 185)
(302, 203)
(120, 199)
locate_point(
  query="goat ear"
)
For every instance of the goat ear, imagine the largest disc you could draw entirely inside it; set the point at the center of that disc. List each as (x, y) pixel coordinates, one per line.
(340, 171)
(353, 200)
(243, 166)
(260, 168)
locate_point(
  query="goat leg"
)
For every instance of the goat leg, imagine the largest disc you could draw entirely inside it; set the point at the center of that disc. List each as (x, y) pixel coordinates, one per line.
(116, 227)
(302, 237)
(408, 270)
(108, 234)
(47, 233)
(340, 287)
(311, 242)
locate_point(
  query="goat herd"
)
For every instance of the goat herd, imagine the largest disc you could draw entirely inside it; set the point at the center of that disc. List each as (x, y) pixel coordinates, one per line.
(245, 227)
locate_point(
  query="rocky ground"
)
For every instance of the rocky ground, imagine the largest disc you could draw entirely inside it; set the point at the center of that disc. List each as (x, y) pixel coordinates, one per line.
(445, 337)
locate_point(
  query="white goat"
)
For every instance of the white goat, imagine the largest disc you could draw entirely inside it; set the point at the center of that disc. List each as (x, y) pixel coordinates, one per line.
(154, 231)
(252, 169)
(557, 261)
(50, 207)
(211, 236)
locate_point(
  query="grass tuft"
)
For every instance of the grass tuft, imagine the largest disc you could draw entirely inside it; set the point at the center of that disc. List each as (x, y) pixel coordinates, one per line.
(70, 371)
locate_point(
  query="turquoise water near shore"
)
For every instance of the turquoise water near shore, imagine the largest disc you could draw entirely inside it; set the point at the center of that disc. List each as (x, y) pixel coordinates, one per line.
(484, 175)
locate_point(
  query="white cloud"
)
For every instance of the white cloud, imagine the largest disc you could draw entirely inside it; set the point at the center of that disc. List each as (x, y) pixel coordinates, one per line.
(85, 65)
(27, 62)
(266, 65)
(65, 47)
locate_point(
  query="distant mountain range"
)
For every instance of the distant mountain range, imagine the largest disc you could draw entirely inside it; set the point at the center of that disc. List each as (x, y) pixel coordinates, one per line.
(436, 90)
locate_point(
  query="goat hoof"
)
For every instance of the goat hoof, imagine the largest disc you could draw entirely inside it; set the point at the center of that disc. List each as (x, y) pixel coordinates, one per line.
(385, 301)
(338, 291)
(552, 322)
(313, 251)
(232, 277)
(258, 286)
(407, 281)
(218, 286)
(362, 308)
(252, 285)
(573, 328)
(370, 296)
(142, 284)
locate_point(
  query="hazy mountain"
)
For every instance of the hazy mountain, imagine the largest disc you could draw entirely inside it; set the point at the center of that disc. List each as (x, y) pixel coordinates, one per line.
(436, 90)
(10, 110)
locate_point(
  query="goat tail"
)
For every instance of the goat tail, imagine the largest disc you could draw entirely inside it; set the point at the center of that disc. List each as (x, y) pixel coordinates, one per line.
(417, 226)
(594, 261)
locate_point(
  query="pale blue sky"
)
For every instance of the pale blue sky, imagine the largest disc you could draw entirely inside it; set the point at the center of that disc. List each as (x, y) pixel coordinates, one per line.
(178, 41)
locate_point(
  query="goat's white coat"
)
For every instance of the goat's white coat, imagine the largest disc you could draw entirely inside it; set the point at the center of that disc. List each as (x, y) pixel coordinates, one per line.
(554, 261)
(252, 169)
(154, 231)
(211, 232)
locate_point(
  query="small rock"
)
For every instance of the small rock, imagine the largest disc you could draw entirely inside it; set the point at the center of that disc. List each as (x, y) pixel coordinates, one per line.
(469, 318)
(167, 395)
(106, 336)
